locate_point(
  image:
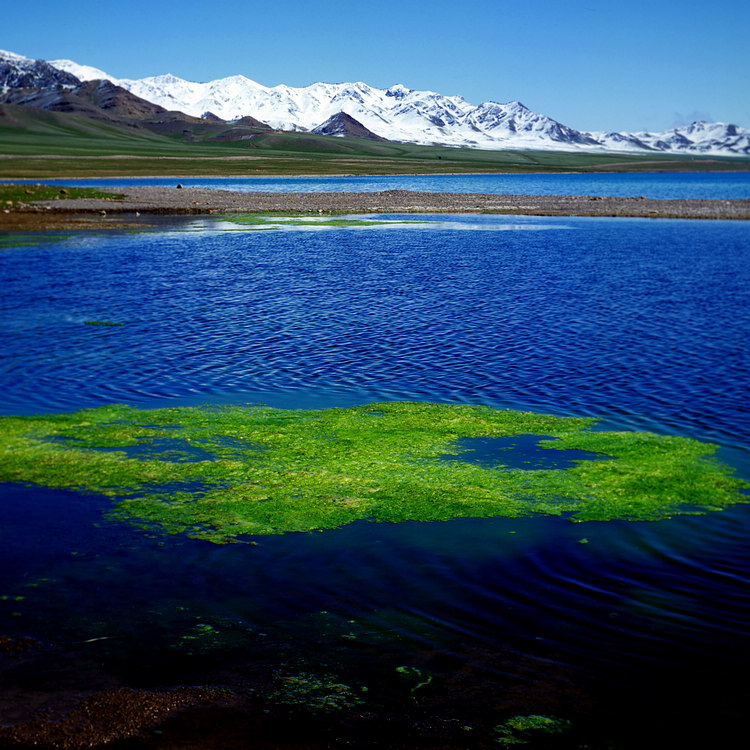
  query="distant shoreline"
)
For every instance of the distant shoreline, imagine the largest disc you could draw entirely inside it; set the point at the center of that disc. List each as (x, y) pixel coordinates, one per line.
(609, 169)
(141, 202)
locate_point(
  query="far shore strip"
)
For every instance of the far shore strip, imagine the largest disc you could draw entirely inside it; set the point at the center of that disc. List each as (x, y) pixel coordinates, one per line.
(158, 200)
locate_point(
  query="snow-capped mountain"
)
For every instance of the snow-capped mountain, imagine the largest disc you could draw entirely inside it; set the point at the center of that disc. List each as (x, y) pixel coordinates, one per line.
(397, 113)
(403, 114)
(35, 83)
(18, 72)
(699, 138)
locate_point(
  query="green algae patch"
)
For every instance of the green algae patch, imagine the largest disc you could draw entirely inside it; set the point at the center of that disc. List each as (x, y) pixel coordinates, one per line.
(223, 473)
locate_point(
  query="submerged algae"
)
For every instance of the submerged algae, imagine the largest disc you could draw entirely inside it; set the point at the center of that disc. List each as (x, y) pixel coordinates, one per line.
(317, 693)
(523, 730)
(270, 471)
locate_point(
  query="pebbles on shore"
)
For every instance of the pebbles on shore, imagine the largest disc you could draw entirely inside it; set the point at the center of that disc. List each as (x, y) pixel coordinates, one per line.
(144, 200)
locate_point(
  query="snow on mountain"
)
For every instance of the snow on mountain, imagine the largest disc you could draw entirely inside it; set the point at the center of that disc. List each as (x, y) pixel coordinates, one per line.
(703, 137)
(82, 72)
(516, 121)
(18, 72)
(403, 114)
(718, 138)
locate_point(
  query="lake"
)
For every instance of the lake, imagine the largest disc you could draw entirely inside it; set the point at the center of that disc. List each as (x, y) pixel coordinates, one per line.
(433, 632)
(657, 185)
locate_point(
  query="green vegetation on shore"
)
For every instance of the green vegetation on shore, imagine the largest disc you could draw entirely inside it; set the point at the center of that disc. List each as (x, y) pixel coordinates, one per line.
(37, 144)
(220, 473)
(12, 196)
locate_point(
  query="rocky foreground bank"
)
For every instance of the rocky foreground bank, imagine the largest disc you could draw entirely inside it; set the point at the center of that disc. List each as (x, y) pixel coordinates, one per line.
(142, 201)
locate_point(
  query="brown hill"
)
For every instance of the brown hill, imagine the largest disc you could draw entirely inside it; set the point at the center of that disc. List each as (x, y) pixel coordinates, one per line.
(344, 125)
(251, 122)
(99, 99)
(106, 102)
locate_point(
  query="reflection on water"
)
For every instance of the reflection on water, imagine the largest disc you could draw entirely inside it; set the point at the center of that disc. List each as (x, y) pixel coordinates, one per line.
(626, 629)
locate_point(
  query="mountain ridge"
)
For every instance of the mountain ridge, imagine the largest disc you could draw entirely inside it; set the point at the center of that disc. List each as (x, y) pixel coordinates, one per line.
(397, 114)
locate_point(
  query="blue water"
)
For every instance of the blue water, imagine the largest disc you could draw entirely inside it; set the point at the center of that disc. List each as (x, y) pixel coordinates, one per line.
(638, 322)
(658, 185)
(630, 629)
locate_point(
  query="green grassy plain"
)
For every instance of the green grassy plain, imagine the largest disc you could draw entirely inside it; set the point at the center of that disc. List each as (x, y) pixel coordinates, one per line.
(37, 144)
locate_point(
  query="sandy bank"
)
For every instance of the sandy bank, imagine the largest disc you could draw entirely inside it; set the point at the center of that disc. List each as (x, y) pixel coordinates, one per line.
(153, 200)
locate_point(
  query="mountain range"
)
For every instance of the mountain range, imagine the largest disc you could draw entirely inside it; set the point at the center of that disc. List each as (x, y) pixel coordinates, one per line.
(346, 109)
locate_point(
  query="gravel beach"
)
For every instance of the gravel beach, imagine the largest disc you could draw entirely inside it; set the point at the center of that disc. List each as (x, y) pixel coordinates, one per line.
(145, 201)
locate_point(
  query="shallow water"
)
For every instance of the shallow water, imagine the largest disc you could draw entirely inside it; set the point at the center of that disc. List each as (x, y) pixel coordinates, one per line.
(625, 628)
(659, 185)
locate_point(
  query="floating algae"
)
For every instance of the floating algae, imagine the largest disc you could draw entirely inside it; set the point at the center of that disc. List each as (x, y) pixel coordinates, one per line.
(271, 471)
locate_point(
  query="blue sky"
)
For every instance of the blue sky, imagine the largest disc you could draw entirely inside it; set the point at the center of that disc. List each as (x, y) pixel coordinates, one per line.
(590, 64)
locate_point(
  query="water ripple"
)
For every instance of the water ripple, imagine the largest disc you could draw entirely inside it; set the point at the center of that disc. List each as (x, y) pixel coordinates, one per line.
(640, 322)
